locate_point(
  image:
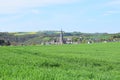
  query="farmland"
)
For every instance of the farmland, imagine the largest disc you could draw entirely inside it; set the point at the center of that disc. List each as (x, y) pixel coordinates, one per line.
(99, 61)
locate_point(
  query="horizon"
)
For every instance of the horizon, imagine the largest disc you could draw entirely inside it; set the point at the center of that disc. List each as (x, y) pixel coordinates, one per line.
(70, 15)
(59, 31)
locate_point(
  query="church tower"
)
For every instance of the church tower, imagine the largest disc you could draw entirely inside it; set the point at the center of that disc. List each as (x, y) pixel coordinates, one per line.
(61, 41)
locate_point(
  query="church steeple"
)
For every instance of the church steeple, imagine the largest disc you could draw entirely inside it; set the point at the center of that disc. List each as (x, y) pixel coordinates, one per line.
(61, 41)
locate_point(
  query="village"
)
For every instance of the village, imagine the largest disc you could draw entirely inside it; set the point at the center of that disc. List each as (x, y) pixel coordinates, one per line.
(56, 38)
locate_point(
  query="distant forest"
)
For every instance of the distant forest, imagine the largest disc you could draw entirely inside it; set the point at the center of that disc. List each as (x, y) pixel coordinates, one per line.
(37, 38)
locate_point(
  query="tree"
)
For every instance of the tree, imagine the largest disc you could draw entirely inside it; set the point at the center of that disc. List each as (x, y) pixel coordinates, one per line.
(2, 42)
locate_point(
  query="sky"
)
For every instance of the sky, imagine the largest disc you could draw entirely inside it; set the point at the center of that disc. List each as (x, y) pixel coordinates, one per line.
(89, 16)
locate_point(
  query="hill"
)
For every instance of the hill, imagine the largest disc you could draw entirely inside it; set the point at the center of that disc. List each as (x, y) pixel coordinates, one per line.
(43, 37)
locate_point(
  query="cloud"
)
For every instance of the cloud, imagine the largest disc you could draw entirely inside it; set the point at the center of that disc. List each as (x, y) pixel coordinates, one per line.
(111, 13)
(35, 11)
(10, 18)
(91, 20)
(14, 6)
(114, 2)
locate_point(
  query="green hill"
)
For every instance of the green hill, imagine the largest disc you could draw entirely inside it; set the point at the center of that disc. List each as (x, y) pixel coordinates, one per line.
(28, 38)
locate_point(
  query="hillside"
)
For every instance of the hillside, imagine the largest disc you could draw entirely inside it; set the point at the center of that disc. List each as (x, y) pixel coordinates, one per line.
(34, 38)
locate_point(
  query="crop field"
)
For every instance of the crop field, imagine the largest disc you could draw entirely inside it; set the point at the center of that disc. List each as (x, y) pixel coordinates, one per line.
(99, 61)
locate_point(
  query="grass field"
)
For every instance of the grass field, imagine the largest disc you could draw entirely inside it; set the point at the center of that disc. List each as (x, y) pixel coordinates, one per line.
(22, 33)
(61, 62)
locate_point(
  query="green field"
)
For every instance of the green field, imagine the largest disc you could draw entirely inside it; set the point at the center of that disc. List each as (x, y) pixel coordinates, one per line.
(61, 62)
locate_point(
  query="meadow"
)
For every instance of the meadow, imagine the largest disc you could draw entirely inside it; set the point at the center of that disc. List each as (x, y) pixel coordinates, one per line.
(99, 61)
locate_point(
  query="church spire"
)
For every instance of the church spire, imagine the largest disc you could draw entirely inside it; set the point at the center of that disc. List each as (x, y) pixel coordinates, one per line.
(61, 37)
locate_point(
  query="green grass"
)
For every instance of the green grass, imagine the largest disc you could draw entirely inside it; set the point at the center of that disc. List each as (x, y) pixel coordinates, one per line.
(61, 62)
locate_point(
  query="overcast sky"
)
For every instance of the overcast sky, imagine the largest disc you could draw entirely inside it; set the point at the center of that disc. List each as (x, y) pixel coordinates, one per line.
(70, 15)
